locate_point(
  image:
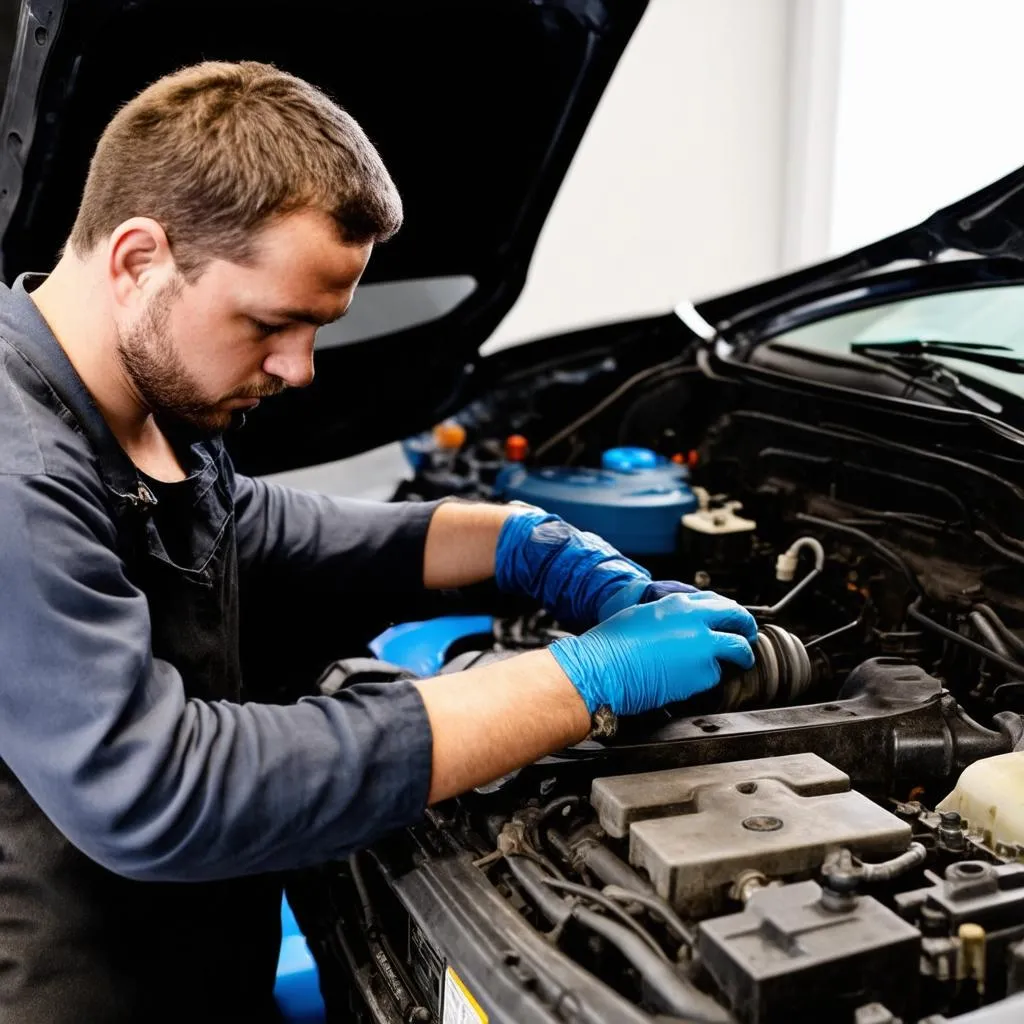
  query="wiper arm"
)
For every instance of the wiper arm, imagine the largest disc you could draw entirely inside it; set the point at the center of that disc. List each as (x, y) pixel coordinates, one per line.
(917, 349)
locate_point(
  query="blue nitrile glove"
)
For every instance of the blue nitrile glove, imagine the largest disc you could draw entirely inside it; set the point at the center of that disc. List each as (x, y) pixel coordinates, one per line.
(577, 576)
(653, 654)
(642, 592)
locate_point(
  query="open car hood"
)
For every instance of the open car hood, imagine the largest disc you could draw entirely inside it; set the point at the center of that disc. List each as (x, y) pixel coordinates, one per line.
(477, 108)
(987, 223)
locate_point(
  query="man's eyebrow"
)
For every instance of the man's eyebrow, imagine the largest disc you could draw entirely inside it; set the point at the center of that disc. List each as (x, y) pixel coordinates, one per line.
(306, 316)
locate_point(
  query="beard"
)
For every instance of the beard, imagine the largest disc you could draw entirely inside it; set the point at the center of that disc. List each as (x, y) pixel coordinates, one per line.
(165, 384)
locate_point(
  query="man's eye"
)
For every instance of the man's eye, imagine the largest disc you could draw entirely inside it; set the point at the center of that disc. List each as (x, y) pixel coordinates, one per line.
(267, 329)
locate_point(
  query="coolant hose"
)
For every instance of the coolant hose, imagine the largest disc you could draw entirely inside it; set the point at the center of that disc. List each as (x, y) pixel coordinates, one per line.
(1011, 725)
(608, 866)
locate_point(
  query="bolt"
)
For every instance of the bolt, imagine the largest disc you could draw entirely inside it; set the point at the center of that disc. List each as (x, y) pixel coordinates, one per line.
(932, 922)
(746, 884)
(762, 823)
(838, 902)
(702, 580)
(951, 835)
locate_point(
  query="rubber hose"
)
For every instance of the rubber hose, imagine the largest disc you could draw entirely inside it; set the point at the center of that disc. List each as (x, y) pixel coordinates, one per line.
(679, 995)
(1011, 725)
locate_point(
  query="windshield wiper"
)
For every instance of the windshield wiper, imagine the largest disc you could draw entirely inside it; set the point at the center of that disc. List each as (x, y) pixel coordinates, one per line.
(916, 350)
(912, 357)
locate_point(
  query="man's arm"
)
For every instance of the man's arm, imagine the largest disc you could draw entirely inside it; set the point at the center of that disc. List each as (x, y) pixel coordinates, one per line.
(461, 544)
(156, 786)
(487, 721)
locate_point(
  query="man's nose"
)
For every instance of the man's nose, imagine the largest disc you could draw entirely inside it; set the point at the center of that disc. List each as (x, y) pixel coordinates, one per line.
(292, 362)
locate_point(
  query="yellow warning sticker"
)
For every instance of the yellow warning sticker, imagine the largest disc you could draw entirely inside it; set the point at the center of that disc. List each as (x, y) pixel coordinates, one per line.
(459, 1006)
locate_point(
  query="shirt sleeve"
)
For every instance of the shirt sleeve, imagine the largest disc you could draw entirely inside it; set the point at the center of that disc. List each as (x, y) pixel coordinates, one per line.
(156, 786)
(364, 546)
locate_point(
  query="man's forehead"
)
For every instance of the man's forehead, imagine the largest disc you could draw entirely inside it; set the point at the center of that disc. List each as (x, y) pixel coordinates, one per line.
(301, 270)
(307, 246)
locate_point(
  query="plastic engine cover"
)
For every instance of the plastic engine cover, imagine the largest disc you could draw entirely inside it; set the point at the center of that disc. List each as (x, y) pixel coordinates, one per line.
(636, 510)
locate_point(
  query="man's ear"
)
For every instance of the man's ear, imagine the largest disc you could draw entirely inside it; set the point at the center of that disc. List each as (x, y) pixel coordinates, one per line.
(139, 260)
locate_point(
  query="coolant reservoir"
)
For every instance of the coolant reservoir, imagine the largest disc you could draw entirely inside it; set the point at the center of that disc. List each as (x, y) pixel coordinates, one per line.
(990, 797)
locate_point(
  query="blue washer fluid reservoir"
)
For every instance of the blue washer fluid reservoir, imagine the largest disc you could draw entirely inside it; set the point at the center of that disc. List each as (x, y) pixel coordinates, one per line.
(634, 501)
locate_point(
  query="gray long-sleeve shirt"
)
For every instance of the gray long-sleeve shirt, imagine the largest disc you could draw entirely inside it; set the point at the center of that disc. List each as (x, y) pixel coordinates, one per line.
(145, 781)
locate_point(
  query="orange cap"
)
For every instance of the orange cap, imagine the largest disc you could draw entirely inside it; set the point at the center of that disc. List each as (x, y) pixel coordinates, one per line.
(450, 434)
(679, 459)
(516, 447)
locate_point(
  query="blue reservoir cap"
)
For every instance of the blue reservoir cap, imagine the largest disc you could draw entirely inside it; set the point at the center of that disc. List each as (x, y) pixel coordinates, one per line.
(628, 460)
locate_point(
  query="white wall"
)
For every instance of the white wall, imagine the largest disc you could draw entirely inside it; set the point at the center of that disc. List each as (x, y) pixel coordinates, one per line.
(929, 109)
(677, 188)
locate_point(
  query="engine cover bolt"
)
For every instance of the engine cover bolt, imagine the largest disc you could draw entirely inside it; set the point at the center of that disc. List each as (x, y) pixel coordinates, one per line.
(950, 834)
(762, 823)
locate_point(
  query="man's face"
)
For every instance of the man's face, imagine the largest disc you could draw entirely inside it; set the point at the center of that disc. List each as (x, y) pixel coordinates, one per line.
(204, 351)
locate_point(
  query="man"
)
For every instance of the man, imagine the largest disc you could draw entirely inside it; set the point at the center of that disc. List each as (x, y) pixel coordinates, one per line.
(144, 804)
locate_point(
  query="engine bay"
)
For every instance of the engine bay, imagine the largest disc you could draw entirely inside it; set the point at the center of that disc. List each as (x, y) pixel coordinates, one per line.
(832, 835)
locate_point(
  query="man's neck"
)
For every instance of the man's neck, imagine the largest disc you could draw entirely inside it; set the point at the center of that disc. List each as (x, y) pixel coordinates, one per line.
(76, 306)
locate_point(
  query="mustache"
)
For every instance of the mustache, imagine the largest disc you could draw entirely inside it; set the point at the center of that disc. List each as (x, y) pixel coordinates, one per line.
(266, 390)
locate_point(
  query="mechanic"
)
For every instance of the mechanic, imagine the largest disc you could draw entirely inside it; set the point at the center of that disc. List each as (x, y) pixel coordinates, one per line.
(147, 804)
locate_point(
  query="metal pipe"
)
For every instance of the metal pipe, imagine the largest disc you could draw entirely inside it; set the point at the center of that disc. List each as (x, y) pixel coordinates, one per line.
(890, 869)
(786, 567)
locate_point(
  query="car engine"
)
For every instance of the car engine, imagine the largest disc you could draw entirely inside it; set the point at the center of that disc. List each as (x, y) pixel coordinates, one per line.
(833, 835)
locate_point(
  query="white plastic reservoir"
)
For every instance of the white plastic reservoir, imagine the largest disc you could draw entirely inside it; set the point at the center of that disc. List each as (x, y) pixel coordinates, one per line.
(990, 797)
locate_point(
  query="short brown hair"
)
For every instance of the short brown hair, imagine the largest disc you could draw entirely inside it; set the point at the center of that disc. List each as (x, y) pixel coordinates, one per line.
(215, 150)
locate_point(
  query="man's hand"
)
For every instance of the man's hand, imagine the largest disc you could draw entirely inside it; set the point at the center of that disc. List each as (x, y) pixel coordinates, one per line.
(657, 653)
(575, 575)
(487, 721)
(643, 592)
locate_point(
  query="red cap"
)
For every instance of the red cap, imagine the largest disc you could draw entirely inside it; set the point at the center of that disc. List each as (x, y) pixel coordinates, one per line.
(692, 457)
(516, 447)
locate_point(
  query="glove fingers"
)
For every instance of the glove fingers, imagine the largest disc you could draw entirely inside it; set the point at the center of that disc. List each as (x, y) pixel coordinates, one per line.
(731, 618)
(732, 648)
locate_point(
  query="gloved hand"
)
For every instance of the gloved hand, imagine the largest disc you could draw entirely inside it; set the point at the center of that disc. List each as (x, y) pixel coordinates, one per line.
(577, 576)
(643, 592)
(653, 654)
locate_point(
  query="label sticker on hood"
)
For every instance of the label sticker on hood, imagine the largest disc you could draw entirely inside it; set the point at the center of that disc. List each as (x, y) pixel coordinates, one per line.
(459, 1006)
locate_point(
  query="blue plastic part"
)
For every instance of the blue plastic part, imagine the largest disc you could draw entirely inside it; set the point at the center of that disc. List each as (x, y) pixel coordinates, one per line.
(631, 460)
(637, 512)
(421, 646)
(297, 989)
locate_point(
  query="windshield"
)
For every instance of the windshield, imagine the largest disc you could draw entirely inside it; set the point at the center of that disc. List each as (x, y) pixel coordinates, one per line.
(993, 316)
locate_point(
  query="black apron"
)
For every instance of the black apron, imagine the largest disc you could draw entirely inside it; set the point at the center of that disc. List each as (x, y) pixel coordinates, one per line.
(78, 944)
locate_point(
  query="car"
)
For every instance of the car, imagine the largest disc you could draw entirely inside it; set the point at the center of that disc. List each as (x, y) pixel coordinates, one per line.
(835, 835)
